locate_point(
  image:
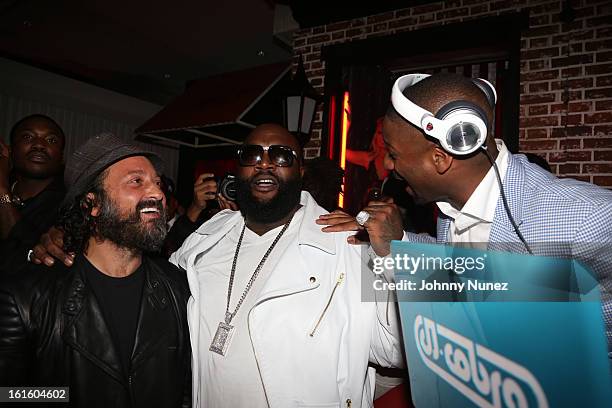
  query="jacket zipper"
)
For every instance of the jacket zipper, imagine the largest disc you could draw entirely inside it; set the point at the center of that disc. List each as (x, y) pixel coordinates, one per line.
(338, 282)
(132, 399)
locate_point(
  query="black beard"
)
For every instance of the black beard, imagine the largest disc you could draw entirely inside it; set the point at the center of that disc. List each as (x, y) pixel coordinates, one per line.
(267, 212)
(131, 232)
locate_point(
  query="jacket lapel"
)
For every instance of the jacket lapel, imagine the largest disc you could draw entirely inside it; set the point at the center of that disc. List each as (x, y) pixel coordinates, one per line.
(210, 233)
(289, 273)
(283, 283)
(86, 330)
(502, 231)
(157, 319)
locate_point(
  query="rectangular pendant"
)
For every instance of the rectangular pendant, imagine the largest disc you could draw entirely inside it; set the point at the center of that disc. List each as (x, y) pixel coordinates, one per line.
(222, 338)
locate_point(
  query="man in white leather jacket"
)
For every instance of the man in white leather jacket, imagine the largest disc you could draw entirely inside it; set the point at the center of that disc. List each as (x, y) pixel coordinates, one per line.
(300, 328)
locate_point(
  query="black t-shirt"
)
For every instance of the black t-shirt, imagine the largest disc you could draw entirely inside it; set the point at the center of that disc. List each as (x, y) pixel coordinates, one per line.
(38, 214)
(120, 300)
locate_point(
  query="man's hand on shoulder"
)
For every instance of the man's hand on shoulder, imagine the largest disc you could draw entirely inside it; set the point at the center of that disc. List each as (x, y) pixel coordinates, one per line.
(383, 225)
(50, 247)
(338, 221)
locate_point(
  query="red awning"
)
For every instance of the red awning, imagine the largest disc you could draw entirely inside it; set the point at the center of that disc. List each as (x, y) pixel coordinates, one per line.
(222, 109)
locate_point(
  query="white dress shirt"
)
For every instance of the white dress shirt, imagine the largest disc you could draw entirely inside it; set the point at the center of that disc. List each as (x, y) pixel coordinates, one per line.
(472, 223)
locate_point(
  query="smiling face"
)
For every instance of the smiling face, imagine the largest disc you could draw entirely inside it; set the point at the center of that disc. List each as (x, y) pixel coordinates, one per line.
(132, 211)
(431, 173)
(37, 146)
(267, 192)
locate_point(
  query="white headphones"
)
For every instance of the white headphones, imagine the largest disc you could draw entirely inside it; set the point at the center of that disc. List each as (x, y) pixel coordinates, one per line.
(460, 126)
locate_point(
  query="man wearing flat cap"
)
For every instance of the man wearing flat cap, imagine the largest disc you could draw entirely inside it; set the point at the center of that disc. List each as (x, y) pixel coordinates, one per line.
(113, 327)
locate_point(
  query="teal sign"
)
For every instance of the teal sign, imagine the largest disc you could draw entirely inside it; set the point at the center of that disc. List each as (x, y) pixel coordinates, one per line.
(528, 333)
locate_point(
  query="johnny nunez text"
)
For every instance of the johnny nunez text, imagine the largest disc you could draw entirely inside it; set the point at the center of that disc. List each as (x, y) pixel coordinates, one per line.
(471, 284)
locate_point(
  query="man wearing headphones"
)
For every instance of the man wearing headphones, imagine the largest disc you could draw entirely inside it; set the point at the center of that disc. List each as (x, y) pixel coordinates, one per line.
(436, 132)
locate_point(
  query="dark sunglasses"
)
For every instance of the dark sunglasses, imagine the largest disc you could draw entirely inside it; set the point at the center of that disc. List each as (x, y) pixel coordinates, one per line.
(251, 155)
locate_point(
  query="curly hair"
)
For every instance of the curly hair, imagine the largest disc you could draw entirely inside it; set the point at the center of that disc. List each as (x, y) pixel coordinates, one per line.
(75, 218)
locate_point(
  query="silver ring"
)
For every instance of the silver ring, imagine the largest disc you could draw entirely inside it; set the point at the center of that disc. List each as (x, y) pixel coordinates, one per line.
(362, 217)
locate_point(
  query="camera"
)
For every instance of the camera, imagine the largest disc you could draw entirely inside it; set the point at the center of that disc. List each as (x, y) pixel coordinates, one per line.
(227, 187)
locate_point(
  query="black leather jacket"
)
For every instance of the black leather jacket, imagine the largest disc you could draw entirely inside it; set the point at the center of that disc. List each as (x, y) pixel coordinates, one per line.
(52, 333)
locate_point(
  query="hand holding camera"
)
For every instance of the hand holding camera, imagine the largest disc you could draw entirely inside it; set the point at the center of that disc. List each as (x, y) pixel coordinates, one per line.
(204, 189)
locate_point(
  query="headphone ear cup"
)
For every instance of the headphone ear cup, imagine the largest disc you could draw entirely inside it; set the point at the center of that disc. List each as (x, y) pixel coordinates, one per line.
(463, 136)
(447, 110)
(486, 89)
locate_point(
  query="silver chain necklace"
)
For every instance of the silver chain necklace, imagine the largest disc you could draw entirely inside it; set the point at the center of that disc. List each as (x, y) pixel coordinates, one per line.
(225, 330)
(17, 201)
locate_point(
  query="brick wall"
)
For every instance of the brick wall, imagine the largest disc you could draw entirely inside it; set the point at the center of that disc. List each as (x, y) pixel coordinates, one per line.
(566, 74)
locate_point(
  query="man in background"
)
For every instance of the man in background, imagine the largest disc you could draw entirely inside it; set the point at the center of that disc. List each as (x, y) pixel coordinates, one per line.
(323, 180)
(30, 191)
(204, 192)
(173, 208)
